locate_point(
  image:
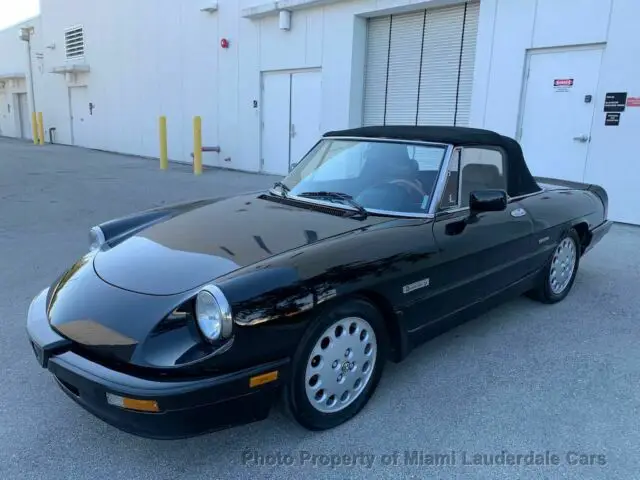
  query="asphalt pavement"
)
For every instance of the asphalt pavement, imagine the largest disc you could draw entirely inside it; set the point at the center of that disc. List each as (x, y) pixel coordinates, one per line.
(553, 385)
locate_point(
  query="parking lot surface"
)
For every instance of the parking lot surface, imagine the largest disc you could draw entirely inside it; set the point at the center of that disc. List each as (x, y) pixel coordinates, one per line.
(559, 381)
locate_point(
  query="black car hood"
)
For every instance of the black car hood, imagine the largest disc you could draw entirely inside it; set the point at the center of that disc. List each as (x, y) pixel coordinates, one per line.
(196, 247)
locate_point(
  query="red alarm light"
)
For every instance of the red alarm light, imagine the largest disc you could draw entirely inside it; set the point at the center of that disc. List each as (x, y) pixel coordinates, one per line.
(224, 43)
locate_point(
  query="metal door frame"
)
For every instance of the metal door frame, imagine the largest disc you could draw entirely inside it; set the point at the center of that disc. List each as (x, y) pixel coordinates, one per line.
(286, 71)
(21, 113)
(524, 82)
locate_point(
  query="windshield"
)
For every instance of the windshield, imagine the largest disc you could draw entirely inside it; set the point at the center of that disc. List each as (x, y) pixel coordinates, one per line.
(379, 175)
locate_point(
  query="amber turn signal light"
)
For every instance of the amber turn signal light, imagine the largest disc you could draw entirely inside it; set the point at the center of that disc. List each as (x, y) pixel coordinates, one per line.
(263, 378)
(132, 403)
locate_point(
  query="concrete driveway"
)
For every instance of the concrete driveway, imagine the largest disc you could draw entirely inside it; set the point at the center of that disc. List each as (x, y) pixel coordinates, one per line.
(559, 381)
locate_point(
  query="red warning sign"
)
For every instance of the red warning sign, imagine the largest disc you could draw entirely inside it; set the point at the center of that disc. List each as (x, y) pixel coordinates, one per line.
(633, 102)
(563, 82)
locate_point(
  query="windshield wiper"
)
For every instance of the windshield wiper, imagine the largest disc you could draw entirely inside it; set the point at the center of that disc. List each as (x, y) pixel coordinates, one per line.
(283, 188)
(345, 197)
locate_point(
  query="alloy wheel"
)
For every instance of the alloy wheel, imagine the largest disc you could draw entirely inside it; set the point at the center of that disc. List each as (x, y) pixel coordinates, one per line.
(340, 364)
(562, 265)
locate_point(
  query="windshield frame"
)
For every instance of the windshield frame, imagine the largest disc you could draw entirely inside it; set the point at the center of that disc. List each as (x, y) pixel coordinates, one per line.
(435, 194)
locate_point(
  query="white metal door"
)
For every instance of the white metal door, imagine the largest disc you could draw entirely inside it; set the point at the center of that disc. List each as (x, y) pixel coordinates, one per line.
(25, 116)
(276, 100)
(558, 110)
(80, 124)
(306, 98)
(5, 119)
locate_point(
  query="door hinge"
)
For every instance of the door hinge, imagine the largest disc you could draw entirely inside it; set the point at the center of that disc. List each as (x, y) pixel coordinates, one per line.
(528, 72)
(262, 125)
(261, 163)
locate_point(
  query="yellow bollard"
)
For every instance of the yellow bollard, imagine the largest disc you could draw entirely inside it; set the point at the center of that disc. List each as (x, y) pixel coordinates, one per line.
(197, 145)
(41, 128)
(34, 127)
(164, 158)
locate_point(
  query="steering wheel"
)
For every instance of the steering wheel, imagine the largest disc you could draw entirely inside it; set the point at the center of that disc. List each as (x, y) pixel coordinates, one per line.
(397, 195)
(413, 188)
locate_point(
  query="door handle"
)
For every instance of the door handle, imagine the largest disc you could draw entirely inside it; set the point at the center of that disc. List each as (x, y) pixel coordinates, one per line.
(582, 138)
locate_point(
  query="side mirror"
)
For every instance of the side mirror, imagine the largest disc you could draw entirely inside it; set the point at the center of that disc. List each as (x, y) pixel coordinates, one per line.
(487, 201)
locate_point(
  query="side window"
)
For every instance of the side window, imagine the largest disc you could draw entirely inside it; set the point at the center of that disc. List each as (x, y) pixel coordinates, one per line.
(449, 197)
(480, 169)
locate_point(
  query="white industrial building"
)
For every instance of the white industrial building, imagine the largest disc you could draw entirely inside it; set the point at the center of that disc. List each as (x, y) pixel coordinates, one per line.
(562, 76)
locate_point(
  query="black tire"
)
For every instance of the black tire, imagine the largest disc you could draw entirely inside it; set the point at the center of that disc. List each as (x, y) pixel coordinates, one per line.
(296, 401)
(543, 292)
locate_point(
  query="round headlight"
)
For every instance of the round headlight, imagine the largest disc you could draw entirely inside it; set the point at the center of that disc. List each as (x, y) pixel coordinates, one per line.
(96, 238)
(213, 314)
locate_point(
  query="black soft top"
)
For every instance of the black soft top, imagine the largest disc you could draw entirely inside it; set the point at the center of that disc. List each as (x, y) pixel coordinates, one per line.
(519, 178)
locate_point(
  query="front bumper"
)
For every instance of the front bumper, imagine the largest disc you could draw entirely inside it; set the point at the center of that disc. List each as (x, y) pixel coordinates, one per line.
(187, 408)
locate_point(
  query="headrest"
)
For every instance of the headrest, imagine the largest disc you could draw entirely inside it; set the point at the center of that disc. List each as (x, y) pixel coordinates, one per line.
(480, 171)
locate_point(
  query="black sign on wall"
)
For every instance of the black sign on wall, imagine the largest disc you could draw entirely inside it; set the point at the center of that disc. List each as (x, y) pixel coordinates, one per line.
(615, 102)
(612, 119)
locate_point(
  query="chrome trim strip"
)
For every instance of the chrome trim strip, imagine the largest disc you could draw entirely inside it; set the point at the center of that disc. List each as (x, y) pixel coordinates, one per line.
(442, 179)
(399, 214)
(509, 200)
(430, 212)
(526, 195)
(225, 311)
(391, 140)
(453, 210)
(372, 211)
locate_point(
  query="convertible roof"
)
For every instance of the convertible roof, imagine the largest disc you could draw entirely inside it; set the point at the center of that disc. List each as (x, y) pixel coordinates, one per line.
(520, 181)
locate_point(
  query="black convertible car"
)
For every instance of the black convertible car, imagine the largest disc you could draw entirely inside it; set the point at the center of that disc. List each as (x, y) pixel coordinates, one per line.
(196, 317)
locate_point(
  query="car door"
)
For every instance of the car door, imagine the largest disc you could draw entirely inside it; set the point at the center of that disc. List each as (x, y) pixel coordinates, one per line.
(486, 254)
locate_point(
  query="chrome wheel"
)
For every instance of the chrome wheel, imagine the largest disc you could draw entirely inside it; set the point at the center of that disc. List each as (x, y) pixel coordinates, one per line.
(562, 265)
(340, 365)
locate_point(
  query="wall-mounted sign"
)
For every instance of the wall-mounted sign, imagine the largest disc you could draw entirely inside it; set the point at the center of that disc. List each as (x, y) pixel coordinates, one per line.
(612, 119)
(633, 102)
(562, 84)
(615, 102)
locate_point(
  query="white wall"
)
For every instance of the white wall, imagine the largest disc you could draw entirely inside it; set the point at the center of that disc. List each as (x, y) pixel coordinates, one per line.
(161, 57)
(508, 28)
(13, 61)
(147, 58)
(613, 156)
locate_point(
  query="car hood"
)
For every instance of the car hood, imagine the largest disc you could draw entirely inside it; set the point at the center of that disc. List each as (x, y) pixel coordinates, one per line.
(198, 246)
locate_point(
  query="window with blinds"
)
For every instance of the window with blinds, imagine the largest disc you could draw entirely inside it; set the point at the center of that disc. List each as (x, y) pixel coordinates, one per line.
(419, 67)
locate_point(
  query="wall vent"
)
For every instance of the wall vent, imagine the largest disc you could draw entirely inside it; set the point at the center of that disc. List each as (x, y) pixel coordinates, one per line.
(74, 42)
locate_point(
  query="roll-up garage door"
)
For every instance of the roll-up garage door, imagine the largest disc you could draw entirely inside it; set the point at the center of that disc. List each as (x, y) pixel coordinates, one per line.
(420, 67)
